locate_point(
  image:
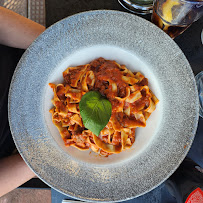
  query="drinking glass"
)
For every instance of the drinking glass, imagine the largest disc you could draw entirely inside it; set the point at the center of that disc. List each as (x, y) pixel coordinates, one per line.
(175, 16)
(199, 83)
(138, 6)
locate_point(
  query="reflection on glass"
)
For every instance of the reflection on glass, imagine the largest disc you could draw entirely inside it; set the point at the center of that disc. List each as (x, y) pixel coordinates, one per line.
(175, 16)
(138, 6)
(199, 82)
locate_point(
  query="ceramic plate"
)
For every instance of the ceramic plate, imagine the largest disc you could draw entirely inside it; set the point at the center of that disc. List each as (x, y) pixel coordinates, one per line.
(158, 149)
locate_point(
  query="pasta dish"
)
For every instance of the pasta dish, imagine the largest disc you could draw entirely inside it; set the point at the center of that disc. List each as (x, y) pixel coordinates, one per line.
(128, 92)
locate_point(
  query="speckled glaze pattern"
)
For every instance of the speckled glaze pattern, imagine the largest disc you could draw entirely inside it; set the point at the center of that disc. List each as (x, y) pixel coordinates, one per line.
(104, 183)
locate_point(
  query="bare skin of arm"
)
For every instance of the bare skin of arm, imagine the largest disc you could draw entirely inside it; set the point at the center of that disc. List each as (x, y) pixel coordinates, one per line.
(13, 173)
(19, 32)
(16, 30)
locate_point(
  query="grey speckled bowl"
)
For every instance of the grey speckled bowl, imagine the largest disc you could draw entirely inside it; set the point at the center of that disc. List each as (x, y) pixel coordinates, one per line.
(159, 148)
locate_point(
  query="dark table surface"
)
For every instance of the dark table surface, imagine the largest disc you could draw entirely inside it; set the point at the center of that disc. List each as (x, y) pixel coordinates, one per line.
(189, 42)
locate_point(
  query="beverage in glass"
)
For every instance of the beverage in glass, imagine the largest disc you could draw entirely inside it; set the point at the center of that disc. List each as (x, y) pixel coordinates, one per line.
(175, 16)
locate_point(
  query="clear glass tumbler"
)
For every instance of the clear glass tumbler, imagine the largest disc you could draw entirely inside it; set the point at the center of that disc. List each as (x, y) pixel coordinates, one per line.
(138, 6)
(199, 83)
(175, 16)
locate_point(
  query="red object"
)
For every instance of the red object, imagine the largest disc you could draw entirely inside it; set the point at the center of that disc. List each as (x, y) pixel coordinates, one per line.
(196, 196)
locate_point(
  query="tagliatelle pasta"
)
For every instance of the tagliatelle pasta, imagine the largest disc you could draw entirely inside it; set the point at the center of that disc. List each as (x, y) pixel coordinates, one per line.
(131, 99)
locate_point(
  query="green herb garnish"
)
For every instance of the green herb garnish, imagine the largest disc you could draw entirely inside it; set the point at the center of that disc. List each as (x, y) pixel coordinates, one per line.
(95, 111)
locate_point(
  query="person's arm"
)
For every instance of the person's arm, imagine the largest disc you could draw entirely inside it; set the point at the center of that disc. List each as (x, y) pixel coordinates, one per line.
(16, 30)
(13, 173)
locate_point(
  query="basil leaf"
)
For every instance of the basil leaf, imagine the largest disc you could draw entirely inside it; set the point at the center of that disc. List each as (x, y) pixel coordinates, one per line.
(95, 111)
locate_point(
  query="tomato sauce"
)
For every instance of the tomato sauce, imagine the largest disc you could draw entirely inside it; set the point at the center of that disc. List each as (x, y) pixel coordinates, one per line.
(114, 82)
